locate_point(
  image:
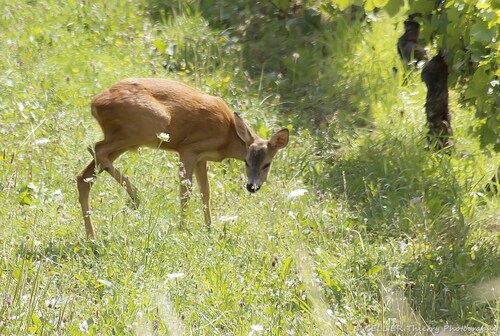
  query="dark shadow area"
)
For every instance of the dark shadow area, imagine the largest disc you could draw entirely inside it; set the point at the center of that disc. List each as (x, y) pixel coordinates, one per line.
(285, 50)
(380, 182)
(291, 49)
(425, 213)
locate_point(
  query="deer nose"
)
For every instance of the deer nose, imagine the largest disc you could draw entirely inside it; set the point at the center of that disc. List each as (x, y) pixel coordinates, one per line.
(252, 187)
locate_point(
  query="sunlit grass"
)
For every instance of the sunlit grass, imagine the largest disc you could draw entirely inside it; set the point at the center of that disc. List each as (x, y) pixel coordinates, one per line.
(358, 227)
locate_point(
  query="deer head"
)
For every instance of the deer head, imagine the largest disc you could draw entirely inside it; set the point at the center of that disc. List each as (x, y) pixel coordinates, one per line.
(260, 153)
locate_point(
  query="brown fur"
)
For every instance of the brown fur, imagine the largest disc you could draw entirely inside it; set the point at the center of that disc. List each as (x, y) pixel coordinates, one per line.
(134, 112)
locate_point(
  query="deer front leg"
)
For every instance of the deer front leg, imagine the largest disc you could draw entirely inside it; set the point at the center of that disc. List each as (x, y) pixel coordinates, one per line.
(124, 181)
(204, 185)
(105, 160)
(186, 176)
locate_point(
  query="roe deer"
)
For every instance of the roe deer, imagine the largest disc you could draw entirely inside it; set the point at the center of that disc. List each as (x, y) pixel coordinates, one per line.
(139, 112)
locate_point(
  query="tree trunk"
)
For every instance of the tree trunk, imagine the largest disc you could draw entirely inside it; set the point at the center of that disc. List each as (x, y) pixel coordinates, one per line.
(435, 76)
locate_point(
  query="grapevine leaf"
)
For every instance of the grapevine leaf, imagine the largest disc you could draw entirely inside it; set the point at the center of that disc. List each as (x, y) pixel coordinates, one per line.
(478, 83)
(380, 3)
(369, 5)
(393, 7)
(482, 33)
(282, 4)
(342, 4)
(422, 6)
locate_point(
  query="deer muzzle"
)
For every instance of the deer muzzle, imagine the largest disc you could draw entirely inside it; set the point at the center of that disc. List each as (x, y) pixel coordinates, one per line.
(252, 187)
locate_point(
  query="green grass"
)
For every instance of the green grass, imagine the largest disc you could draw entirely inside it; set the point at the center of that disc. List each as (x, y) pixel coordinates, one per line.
(387, 234)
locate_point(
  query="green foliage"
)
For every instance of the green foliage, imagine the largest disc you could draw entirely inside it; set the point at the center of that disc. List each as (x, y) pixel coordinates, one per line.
(468, 32)
(359, 228)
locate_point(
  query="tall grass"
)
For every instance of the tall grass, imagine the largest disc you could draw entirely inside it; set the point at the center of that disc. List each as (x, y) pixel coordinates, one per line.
(359, 229)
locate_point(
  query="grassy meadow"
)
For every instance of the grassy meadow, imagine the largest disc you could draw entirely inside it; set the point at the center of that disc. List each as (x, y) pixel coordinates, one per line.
(359, 230)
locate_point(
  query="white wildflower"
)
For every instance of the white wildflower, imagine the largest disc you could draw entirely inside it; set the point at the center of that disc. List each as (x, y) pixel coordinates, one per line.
(228, 218)
(297, 193)
(175, 275)
(42, 141)
(164, 137)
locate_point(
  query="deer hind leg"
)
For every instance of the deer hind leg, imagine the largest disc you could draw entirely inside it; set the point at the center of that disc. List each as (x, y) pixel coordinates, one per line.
(106, 154)
(84, 183)
(186, 175)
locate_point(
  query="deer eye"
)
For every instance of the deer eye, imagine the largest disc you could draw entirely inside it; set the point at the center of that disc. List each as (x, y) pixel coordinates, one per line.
(266, 166)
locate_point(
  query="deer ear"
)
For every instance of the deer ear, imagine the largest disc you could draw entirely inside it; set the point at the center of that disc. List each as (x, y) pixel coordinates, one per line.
(243, 131)
(280, 139)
